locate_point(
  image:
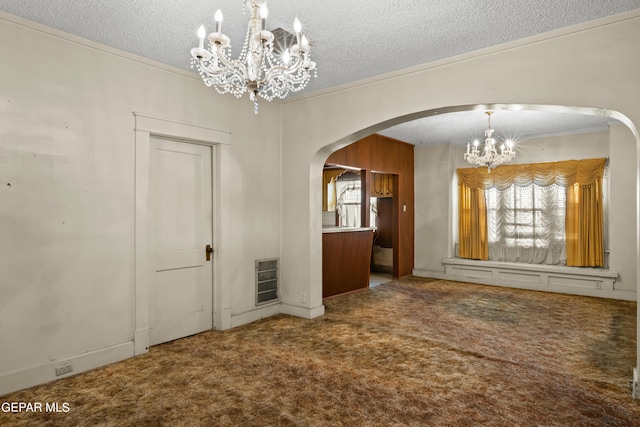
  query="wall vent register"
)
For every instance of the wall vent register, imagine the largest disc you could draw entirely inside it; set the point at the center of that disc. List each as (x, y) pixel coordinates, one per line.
(266, 281)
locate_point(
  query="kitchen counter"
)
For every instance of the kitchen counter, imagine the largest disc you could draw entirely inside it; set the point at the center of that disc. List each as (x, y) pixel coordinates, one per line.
(345, 229)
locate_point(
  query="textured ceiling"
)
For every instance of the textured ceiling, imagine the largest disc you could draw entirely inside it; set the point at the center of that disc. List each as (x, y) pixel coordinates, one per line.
(351, 40)
(517, 125)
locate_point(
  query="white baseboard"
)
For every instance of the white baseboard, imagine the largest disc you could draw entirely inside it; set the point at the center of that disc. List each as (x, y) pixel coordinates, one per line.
(29, 377)
(222, 321)
(141, 341)
(431, 274)
(304, 312)
(256, 314)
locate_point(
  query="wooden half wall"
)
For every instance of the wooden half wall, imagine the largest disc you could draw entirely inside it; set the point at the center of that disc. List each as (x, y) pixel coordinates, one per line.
(380, 154)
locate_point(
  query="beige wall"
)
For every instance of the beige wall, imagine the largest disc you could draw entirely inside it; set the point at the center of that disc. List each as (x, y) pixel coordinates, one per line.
(434, 207)
(67, 195)
(623, 202)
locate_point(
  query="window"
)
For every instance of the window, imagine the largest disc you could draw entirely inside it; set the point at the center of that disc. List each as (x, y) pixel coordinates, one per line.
(526, 224)
(348, 201)
(535, 213)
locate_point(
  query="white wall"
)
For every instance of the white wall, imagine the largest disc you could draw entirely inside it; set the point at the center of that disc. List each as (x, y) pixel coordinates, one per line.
(67, 194)
(435, 231)
(623, 202)
(433, 201)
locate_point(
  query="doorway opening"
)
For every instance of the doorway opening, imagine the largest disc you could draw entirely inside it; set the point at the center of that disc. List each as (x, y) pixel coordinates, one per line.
(367, 195)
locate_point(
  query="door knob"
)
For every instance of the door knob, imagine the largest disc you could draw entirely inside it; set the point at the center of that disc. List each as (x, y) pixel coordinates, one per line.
(208, 252)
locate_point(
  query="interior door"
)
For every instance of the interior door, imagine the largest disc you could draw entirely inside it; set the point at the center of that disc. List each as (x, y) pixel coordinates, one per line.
(180, 221)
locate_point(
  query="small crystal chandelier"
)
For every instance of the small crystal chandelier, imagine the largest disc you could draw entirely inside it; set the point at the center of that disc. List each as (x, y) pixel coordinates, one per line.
(259, 70)
(489, 156)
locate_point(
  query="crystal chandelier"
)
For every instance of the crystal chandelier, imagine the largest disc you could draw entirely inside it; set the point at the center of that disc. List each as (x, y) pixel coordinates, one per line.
(259, 70)
(489, 157)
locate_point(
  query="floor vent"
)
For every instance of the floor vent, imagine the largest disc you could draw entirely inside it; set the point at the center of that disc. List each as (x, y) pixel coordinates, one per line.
(266, 280)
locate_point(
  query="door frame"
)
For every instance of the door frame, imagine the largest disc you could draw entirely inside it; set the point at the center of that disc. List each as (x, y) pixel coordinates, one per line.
(220, 142)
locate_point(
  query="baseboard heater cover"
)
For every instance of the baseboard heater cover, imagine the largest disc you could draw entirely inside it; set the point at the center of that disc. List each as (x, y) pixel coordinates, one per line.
(591, 281)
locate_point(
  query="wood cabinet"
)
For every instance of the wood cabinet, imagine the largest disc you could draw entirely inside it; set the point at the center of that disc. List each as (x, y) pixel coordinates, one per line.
(381, 185)
(346, 260)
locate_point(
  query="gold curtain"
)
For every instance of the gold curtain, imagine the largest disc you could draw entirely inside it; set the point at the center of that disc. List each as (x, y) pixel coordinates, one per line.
(331, 195)
(584, 225)
(472, 223)
(584, 220)
(563, 174)
(327, 176)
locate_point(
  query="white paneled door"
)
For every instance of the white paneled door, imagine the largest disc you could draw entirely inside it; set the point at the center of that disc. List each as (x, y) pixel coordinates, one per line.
(180, 230)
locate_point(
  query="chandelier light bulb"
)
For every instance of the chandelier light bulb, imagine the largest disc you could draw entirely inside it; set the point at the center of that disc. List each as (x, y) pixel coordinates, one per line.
(201, 34)
(297, 28)
(264, 13)
(304, 43)
(218, 19)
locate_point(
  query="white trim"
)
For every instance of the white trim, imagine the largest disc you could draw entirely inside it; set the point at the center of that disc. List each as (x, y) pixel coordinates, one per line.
(431, 274)
(222, 233)
(141, 241)
(40, 374)
(141, 341)
(145, 127)
(304, 312)
(256, 314)
(159, 126)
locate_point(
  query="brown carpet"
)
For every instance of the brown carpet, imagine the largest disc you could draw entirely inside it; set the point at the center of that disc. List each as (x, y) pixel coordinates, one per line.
(412, 352)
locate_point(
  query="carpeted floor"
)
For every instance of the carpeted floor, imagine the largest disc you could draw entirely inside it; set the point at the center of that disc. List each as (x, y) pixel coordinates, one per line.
(410, 352)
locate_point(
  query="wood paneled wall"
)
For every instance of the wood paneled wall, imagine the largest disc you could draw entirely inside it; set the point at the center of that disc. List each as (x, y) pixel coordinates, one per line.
(377, 153)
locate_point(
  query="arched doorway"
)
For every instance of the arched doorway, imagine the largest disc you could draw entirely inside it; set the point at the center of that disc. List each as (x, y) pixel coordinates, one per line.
(627, 132)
